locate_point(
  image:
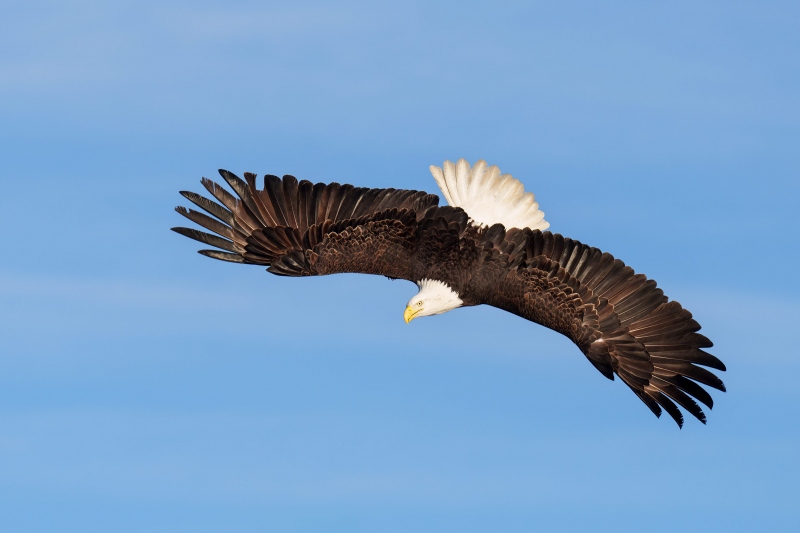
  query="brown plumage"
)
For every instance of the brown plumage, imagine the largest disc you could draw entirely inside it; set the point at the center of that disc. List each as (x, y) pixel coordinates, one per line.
(620, 320)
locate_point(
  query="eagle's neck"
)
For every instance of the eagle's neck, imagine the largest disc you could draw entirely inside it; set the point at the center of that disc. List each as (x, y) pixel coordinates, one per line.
(439, 297)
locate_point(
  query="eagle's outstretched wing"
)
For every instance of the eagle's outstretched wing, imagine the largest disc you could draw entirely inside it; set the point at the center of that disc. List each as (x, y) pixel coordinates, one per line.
(302, 229)
(620, 320)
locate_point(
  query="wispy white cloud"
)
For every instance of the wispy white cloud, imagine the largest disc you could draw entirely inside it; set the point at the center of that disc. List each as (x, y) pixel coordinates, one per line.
(94, 42)
(107, 291)
(294, 22)
(291, 458)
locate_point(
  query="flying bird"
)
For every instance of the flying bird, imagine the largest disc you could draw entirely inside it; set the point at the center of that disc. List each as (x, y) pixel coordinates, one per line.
(488, 246)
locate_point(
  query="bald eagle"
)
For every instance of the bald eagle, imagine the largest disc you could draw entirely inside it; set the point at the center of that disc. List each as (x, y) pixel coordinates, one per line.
(488, 246)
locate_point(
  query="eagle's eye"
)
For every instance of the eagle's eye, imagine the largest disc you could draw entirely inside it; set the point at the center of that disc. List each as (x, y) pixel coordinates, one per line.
(419, 303)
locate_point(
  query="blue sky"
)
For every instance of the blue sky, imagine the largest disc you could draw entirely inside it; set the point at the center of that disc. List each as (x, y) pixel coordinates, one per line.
(144, 388)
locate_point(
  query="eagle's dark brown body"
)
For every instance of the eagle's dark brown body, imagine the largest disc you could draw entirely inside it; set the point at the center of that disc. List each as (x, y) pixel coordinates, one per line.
(619, 320)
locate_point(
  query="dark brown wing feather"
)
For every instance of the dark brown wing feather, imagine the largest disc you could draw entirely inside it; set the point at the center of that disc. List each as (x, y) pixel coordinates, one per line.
(300, 229)
(620, 320)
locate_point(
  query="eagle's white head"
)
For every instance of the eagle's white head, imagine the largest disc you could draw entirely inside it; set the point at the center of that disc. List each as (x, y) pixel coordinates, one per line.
(434, 297)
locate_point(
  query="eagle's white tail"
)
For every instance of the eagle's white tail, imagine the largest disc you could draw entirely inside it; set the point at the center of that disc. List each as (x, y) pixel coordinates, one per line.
(487, 196)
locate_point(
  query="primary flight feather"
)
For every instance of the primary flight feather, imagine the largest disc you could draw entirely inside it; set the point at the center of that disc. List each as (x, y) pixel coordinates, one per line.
(487, 247)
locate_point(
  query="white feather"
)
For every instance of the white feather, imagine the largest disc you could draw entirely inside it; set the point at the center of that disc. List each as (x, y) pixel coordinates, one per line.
(435, 296)
(487, 196)
(450, 180)
(438, 175)
(463, 175)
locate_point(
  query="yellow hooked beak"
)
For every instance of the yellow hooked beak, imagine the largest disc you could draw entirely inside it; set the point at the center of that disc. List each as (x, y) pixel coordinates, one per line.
(408, 316)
